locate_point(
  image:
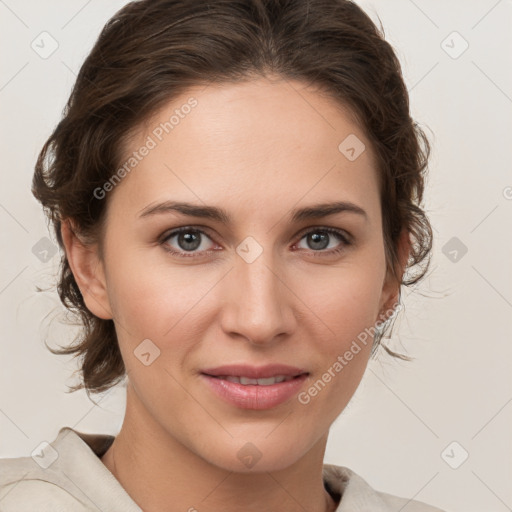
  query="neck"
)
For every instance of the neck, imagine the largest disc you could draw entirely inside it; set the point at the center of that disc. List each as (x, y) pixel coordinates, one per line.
(161, 474)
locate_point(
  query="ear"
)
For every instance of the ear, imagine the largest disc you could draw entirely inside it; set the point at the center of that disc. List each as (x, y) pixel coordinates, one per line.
(88, 270)
(391, 289)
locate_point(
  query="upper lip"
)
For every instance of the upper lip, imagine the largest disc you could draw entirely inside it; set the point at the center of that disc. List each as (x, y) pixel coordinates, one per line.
(254, 372)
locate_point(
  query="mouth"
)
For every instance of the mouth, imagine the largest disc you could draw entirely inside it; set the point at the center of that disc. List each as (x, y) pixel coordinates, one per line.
(249, 387)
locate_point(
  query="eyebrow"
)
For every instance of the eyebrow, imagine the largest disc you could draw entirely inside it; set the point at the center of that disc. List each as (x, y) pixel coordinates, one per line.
(316, 211)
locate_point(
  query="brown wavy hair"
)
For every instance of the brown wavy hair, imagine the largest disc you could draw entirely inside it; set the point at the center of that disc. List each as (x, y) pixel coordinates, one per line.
(151, 51)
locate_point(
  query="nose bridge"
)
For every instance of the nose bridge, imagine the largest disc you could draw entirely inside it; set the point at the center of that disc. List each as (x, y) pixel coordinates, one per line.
(259, 307)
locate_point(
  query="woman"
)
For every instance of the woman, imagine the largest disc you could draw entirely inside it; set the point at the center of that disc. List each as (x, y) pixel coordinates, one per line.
(237, 190)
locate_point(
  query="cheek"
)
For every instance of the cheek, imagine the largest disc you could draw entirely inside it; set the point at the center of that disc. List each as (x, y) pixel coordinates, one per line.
(347, 303)
(151, 299)
(345, 299)
(348, 308)
(351, 318)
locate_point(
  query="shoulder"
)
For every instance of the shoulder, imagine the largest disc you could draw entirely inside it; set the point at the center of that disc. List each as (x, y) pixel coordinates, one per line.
(64, 475)
(24, 486)
(357, 495)
(395, 503)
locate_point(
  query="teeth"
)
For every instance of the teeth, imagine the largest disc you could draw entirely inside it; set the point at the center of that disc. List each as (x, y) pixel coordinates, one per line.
(259, 382)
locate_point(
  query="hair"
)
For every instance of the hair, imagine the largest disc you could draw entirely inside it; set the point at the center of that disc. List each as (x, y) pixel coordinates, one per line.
(151, 51)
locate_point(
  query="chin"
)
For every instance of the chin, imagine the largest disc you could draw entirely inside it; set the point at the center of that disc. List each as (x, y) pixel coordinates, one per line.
(258, 456)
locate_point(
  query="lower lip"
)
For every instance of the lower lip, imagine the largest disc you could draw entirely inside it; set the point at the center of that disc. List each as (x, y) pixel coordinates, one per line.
(255, 396)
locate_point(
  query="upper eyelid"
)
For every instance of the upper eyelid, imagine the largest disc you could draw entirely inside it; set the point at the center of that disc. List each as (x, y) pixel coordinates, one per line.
(172, 232)
(330, 229)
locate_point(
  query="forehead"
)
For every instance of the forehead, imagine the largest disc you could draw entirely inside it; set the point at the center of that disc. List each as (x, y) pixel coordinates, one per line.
(255, 142)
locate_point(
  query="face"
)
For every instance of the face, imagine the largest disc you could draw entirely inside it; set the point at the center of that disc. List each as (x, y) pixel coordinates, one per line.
(266, 285)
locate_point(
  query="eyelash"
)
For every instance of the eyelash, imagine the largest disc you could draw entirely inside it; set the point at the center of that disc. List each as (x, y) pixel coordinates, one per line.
(185, 229)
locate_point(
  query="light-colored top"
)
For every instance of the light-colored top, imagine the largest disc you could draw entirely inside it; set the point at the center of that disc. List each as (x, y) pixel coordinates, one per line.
(67, 475)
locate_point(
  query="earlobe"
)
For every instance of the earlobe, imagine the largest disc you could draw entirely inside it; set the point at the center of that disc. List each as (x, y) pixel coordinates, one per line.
(88, 270)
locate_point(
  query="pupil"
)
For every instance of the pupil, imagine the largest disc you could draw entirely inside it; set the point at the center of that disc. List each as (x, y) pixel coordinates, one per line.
(321, 239)
(189, 240)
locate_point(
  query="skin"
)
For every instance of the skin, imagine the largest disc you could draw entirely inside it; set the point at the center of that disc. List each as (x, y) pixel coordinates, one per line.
(257, 149)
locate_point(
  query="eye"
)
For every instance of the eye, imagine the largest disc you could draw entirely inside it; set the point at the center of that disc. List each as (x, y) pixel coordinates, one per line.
(188, 242)
(320, 239)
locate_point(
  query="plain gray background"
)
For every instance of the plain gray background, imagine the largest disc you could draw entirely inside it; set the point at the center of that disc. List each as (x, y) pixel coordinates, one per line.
(409, 424)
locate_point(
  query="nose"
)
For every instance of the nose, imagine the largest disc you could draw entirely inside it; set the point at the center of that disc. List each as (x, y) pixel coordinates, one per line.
(258, 303)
